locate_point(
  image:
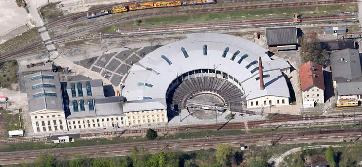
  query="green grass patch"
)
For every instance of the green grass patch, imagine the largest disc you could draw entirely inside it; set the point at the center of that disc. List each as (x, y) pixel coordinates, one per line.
(19, 41)
(8, 73)
(109, 29)
(50, 12)
(203, 133)
(236, 15)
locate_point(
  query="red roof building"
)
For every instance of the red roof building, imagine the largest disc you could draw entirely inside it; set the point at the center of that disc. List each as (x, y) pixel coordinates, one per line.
(311, 75)
(311, 83)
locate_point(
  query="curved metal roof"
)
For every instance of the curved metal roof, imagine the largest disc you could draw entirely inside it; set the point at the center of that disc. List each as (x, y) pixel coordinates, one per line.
(151, 76)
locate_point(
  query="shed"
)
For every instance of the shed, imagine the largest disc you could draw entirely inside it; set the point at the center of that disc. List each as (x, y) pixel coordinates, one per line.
(282, 36)
(14, 133)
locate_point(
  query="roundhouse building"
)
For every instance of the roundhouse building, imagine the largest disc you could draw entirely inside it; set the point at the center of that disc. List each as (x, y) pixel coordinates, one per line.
(209, 69)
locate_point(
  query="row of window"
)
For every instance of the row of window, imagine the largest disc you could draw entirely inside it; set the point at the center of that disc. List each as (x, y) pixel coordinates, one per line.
(47, 126)
(267, 102)
(36, 117)
(80, 89)
(89, 126)
(148, 116)
(43, 86)
(42, 77)
(94, 120)
(49, 94)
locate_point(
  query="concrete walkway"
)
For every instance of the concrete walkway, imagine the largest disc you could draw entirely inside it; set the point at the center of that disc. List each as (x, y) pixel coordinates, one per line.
(278, 160)
(54, 55)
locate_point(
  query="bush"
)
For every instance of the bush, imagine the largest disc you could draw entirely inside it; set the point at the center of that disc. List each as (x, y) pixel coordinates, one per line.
(151, 134)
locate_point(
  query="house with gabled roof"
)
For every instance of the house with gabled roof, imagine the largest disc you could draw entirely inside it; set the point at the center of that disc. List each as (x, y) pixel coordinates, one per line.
(311, 83)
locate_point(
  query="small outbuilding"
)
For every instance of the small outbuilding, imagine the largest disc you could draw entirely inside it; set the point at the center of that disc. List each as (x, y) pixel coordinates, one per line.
(15, 133)
(282, 38)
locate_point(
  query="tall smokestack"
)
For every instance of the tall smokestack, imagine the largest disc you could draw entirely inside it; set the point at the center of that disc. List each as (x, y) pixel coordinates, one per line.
(261, 79)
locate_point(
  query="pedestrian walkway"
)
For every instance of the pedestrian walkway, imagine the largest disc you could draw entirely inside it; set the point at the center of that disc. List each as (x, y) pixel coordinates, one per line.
(52, 50)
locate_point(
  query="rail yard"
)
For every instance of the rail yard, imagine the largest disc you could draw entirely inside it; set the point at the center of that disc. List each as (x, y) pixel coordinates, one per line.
(256, 73)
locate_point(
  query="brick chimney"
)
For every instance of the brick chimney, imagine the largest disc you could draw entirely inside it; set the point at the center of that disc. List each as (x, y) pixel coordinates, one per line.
(261, 79)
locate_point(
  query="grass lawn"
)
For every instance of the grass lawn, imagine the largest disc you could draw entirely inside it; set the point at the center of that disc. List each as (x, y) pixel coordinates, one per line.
(235, 15)
(22, 40)
(8, 73)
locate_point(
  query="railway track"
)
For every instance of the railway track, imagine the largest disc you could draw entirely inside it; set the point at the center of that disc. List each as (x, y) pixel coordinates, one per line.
(17, 157)
(79, 18)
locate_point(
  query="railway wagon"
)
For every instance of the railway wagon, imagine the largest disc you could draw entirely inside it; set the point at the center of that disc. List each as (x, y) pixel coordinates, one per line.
(347, 103)
(140, 6)
(119, 9)
(91, 15)
(197, 2)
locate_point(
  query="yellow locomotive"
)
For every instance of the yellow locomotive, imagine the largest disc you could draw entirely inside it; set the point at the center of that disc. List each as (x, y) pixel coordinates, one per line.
(149, 5)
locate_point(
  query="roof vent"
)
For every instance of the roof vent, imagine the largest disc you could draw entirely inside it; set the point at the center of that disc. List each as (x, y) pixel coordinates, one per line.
(342, 59)
(348, 80)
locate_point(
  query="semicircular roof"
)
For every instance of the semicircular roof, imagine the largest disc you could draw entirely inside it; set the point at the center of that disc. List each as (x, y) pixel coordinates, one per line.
(151, 76)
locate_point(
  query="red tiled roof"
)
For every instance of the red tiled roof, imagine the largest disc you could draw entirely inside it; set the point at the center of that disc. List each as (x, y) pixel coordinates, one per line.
(310, 75)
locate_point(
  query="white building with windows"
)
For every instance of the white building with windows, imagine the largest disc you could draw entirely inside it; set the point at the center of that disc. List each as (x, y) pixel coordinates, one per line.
(45, 102)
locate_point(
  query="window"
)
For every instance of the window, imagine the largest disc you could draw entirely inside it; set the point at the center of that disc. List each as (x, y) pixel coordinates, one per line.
(55, 128)
(80, 89)
(41, 116)
(54, 122)
(81, 104)
(78, 122)
(35, 117)
(75, 106)
(50, 128)
(70, 127)
(270, 102)
(251, 103)
(72, 85)
(61, 127)
(80, 127)
(89, 88)
(283, 101)
(48, 122)
(36, 123)
(107, 119)
(317, 95)
(277, 101)
(42, 123)
(97, 120)
(60, 122)
(44, 129)
(38, 129)
(73, 122)
(53, 115)
(264, 102)
(75, 127)
(257, 103)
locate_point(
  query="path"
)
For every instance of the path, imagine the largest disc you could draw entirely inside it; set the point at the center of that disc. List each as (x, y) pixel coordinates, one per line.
(276, 161)
(53, 52)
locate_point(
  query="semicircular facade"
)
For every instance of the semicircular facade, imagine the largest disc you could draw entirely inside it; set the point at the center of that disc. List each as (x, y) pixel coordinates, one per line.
(238, 58)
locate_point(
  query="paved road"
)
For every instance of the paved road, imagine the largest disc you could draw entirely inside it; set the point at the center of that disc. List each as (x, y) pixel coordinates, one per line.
(17, 157)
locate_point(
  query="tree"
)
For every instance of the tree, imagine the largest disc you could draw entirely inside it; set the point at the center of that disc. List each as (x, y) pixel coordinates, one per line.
(151, 134)
(311, 49)
(223, 154)
(257, 162)
(45, 160)
(230, 116)
(330, 156)
(21, 3)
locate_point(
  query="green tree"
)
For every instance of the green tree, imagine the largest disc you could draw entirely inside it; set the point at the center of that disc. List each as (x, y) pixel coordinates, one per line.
(45, 160)
(330, 156)
(151, 134)
(257, 162)
(223, 154)
(311, 49)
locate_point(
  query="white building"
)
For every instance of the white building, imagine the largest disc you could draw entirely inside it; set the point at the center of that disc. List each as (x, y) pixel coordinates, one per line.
(311, 83)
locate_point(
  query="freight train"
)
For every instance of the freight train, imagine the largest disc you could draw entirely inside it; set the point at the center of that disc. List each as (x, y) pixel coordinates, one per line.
(147, 5)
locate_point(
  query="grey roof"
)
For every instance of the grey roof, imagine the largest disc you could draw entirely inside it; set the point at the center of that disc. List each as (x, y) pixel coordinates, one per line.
(155, 70)
(346, 65)
(144, 105)
(350, 88)
(78, 78)
(338, 45)
(108, 106)
(43, 102)
(281, 36)
(112, 99)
